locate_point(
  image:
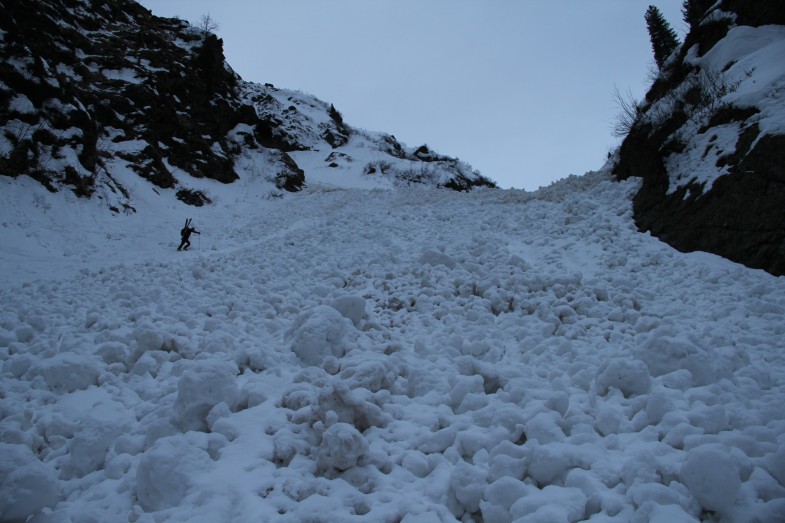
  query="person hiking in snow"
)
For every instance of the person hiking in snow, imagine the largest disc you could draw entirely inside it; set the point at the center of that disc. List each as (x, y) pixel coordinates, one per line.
(185, 234)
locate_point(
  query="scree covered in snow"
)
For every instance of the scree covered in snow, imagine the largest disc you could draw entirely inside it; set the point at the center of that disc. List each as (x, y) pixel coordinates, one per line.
(382, 355)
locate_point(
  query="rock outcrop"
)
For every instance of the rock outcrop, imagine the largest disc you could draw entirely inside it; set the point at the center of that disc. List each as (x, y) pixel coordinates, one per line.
(86, 84)
(709, 140)
(92, 90)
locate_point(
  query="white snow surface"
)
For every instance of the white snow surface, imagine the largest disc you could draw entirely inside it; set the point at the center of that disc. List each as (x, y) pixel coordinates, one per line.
(382, 355)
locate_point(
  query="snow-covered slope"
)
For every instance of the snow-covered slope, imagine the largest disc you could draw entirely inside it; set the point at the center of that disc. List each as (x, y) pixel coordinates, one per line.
(376, 355)
(332, 153)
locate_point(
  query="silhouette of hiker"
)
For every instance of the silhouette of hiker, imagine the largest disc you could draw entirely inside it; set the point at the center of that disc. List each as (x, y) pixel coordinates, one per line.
(185, 234)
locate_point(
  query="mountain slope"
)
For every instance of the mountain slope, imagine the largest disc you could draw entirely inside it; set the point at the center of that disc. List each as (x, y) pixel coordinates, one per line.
(708, 141)
(93, 92)
(412, 355)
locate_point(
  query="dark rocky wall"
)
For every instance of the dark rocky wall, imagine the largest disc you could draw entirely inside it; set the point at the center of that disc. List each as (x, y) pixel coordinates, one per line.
(182, 100)
(742, 216)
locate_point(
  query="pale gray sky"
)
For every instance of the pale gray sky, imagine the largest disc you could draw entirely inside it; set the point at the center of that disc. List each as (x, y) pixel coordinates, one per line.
(520, 89)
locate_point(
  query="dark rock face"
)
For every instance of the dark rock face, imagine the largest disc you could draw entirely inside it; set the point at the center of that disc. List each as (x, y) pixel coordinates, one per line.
(756, 13)
(95, 91)
(741, 216)
(289, 177)
(464, 183)
(98, 78)
(195, 198)
(286, 126)
(424, 154)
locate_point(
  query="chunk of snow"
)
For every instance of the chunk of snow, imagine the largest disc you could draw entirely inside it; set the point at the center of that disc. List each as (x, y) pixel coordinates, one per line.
(167, 471)
(712, 477)
(202, 386)
(28, 489)
(630, 376)
(67, 371)
(342, 447)
(663, 354)
(436, 258)
(775, 463)
(351, 307)
(317, 334)
(499, 497)
(552, 503)
(468, 483)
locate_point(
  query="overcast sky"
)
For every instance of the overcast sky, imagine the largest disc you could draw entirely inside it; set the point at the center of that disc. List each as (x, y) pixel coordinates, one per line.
(519, 89)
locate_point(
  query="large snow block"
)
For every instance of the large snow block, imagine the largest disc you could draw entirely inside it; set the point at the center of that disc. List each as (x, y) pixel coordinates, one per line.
(203, 386)
(166, 472)
(319, 333)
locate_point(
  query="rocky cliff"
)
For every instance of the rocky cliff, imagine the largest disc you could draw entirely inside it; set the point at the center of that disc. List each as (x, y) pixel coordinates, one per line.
(93, 90)
(709, 139)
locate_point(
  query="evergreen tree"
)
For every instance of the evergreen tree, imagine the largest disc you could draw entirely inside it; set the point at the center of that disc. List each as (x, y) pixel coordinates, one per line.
(663, 37)
(693, 11)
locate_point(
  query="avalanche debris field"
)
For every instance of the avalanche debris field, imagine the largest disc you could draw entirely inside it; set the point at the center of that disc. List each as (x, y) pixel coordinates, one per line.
(394, 355)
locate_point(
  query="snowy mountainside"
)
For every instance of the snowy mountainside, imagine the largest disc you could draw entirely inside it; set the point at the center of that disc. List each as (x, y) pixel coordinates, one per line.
(333, 153)
(709, 139)
(410, 356)
(97, 94)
